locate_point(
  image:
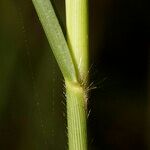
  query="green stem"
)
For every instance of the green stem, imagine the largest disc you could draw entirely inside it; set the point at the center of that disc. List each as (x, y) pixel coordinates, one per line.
(72, 60)
(76, 104)
(77, 37)
(77, 34)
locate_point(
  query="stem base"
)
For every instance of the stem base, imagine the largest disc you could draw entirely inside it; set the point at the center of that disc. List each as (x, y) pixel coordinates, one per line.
(76, 116)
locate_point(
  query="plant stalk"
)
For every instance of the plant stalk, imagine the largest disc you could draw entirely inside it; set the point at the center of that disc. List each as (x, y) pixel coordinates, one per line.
(77, 34)
(77, 136)
(77, 38)
(72, 58)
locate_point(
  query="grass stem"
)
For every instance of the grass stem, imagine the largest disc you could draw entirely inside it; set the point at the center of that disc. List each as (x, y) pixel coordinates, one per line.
(72, 58)
(77, 34)
(77, 37)
(77, 136)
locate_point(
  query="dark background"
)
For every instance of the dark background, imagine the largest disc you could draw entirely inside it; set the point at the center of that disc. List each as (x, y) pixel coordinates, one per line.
(32, 104)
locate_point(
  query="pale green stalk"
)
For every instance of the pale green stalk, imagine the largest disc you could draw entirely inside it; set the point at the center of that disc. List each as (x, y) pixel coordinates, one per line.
(77, 36)
(76, 116)
(73, 62)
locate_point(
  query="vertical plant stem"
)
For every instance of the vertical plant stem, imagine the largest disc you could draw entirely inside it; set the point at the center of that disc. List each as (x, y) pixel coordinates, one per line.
(77, 136)
(72, 60)
(77, 37)
(77, 34)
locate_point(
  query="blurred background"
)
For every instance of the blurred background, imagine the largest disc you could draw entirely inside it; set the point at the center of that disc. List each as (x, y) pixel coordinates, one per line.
(32, 103)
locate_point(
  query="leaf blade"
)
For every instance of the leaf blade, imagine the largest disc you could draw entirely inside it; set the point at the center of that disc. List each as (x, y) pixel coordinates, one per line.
(56, 39)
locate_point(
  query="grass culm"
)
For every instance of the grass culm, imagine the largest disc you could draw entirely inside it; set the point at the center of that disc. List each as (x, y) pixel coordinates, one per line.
(72, 58)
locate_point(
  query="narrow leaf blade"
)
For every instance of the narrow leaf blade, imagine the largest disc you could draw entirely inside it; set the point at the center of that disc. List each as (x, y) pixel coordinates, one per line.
(56, 38)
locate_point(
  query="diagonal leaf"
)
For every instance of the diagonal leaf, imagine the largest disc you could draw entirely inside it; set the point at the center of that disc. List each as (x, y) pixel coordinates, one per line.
(56, 38)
